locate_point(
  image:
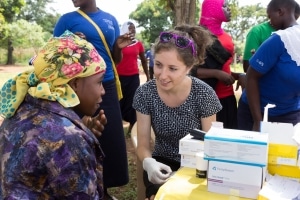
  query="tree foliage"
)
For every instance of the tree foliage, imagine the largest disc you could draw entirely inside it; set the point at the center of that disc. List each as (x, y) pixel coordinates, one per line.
(25, 23)
(10, 8)
(245, 18)
(34, 11)
(155, 16)
(152, 18)
(26, 34)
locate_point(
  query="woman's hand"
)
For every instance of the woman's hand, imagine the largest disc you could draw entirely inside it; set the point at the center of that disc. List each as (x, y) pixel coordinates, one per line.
(80, 34)
(96, 124)
(227, 79)
(241, 81)
(125, 40)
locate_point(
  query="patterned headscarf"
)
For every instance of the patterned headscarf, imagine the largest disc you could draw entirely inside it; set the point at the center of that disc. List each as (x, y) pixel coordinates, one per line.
(212, 16)
(60, 60)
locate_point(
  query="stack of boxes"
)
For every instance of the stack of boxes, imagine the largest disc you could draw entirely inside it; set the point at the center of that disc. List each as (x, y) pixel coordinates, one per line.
(188, 148)
(283, 154)
(237, 161)
(283, 149)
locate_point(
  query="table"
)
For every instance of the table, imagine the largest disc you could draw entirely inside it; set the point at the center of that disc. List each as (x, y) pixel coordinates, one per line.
(184, 185)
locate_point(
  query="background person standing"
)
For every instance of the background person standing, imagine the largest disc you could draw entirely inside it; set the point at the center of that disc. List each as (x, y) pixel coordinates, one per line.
(128, 71)
(149, 56)
(213, 14)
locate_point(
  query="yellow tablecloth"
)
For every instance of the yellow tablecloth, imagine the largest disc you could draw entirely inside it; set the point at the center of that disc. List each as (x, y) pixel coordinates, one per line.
(184, 185)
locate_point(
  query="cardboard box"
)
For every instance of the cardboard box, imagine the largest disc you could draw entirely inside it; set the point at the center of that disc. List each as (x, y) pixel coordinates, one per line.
(235, 179)
(283, 149)
(188, 161)
(292, 172)
(189, 146)
(244, 147)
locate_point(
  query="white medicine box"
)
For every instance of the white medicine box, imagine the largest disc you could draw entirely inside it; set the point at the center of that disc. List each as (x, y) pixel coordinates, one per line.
(235, 179)
(190, 146)
(244, 147)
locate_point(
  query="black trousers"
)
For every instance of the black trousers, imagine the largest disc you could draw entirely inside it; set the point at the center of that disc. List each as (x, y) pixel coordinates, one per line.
(129, 85)
(113, 144)
(228, 114)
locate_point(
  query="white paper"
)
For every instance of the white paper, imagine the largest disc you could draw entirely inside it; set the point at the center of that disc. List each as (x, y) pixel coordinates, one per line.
(280, 188)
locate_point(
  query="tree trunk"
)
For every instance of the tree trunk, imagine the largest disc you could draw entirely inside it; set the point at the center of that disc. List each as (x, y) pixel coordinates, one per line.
(185, 12)
(10, 50)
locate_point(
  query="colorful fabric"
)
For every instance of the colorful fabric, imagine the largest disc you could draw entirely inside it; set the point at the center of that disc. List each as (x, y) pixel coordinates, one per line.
(47, 153)
(60, 60)
(212, 16)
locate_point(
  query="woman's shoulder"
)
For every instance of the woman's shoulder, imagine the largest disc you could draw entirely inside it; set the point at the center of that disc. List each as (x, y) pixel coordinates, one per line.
(199, 87)
(70, 14)
(147, 88)
(198, 83)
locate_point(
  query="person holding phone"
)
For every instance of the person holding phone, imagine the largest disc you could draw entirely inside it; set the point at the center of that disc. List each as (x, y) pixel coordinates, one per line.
(128, 71)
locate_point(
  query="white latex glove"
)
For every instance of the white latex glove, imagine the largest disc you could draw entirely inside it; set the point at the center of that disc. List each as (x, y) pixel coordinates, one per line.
(158, 173)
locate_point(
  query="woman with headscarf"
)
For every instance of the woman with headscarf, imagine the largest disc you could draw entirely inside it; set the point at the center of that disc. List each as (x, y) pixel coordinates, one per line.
(213, 14)
(128, 71)
(46, 151)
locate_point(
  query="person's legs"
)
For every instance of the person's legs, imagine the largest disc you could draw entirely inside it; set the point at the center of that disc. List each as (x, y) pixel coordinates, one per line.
(151, 72)
(228, 114)
(244, 117)
(115, 164)
(129, 85)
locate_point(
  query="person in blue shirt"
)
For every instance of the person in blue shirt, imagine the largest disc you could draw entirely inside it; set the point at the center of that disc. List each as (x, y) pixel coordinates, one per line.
(112, 140)
(149, 56)
(274, 71)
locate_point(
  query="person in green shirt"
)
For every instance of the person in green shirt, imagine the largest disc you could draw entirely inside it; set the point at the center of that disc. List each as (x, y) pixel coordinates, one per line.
(256, 36)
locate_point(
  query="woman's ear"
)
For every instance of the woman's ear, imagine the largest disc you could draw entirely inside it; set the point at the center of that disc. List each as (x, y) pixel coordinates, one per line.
(74, 83)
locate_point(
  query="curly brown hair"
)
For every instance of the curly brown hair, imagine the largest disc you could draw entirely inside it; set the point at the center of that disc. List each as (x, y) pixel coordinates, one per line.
(201, 38)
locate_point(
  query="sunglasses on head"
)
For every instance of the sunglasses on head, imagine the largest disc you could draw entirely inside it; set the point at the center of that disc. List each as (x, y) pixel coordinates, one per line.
(180, 41)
